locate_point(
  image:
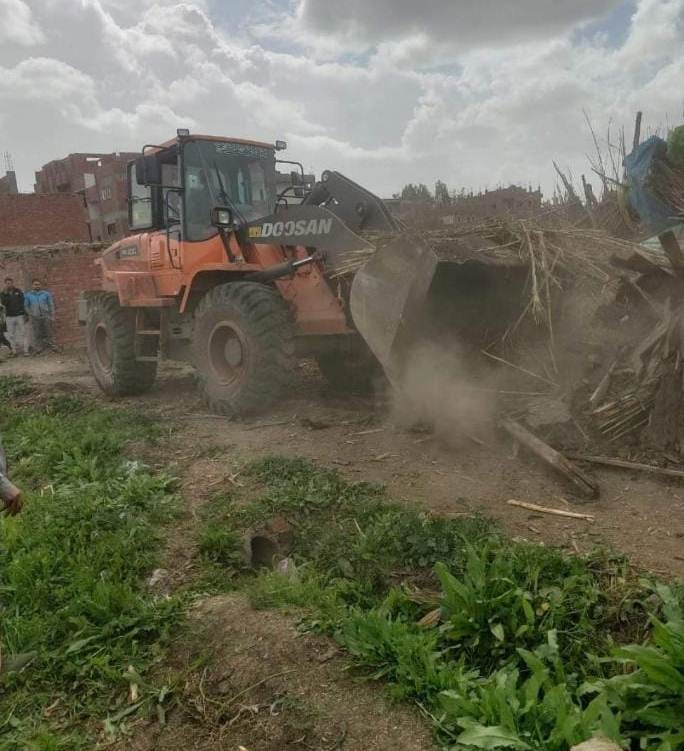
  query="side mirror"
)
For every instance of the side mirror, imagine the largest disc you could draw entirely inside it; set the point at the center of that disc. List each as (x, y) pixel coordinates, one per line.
(148, 170)
(222, 216)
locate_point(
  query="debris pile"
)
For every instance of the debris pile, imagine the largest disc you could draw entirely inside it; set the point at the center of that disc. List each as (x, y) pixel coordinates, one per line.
(593, 350)
(629, 406)
(646, 403)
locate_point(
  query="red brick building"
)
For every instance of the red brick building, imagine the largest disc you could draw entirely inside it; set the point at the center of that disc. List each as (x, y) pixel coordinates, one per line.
(101, 179)
(513, 201)
(8, 184)
(30, 219)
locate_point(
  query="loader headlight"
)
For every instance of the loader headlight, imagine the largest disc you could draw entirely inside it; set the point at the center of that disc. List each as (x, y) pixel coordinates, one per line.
(222, 216)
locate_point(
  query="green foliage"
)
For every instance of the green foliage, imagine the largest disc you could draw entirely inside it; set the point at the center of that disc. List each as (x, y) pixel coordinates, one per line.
(71, 567)
(534, 706)
(675, 145)
(220, 545)
(511, 596)
(518, 658)
(419, 192)
(651, 695)
(12, 387)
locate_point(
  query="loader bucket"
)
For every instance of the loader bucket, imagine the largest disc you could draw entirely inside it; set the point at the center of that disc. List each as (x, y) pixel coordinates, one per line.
(388, 294)
(457, 297)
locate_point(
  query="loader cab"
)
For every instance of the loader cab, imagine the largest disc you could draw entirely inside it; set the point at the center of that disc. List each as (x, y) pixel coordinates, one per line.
(198, 185)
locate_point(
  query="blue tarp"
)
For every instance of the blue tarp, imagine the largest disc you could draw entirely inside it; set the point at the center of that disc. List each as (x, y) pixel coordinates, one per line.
(638, 165)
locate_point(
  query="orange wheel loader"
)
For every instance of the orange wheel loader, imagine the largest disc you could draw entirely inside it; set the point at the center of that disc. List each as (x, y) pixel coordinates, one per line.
(223, 271)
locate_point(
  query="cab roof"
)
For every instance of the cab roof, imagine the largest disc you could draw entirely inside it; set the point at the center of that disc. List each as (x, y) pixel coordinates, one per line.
(199, 137)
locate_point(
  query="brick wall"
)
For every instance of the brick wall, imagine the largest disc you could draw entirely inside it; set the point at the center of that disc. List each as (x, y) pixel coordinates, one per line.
(30, 219)
(66, 270)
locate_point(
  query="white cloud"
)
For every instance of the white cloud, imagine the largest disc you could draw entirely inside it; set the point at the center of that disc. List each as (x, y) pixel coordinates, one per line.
(17, 24)
(114, 74)
(462, 24)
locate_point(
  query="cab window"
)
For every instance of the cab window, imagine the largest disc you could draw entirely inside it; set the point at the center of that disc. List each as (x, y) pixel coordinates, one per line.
(224, 173)
(140, 204)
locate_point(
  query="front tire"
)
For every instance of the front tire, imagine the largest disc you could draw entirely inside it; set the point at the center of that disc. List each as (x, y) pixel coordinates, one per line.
(110, 342)
(243, 348)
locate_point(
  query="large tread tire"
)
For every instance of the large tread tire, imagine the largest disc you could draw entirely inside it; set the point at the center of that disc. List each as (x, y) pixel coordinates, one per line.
(110, 342)
(243, 348)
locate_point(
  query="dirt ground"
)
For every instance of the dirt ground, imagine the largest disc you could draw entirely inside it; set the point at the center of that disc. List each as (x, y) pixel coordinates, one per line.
(638, 515)
(265, 686)
(268, 687)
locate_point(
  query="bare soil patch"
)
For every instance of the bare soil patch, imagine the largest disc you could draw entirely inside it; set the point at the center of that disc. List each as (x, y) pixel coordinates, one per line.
(267, 687)
(638, 515)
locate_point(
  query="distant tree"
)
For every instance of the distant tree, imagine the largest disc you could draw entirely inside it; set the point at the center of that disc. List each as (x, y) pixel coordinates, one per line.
(442, 193)
(419, 192)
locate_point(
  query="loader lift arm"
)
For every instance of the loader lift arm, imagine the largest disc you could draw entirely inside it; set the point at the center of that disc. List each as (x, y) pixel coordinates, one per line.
(357, 207)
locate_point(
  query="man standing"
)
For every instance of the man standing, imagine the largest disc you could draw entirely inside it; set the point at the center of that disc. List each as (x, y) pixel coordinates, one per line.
(10, 494)
(12, 299)
(41, 312)
(4, 342)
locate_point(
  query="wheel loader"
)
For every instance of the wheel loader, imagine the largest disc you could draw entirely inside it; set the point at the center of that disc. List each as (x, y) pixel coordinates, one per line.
(224, 271)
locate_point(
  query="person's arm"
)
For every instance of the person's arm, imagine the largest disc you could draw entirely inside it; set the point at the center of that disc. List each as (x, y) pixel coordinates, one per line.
(10, 494)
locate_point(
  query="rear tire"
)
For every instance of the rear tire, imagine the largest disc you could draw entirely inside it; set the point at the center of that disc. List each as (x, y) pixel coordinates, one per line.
(243, 348)
(110, 341)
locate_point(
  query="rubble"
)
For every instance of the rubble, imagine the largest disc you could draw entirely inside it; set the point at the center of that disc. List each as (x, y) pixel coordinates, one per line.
(590, 354)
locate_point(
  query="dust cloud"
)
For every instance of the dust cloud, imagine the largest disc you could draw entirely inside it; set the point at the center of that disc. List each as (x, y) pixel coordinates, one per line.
(440, 391)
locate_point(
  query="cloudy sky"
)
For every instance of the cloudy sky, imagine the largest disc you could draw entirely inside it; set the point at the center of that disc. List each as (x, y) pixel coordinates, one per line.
(474, 92)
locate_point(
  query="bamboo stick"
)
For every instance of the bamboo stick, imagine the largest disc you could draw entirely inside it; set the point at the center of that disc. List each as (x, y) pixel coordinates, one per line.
(553, 511)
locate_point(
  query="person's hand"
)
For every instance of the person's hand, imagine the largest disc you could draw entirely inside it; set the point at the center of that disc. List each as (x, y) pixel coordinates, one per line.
(13, 505)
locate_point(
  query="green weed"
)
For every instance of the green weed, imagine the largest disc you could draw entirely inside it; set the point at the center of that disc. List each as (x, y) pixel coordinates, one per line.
(12, 387)
(71, 567)
(521, 655)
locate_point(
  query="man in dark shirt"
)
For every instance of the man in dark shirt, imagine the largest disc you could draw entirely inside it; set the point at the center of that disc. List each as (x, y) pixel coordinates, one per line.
(12, 299)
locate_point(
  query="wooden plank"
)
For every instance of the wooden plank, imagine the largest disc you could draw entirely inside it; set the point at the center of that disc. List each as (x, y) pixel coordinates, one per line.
(608, 461)
(583, 484)
(637, 130)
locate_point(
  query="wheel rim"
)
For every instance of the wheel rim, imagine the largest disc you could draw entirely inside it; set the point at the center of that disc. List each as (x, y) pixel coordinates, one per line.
(228, 353)
(103, 347)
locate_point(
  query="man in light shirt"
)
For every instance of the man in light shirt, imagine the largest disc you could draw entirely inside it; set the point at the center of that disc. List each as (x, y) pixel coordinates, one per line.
(40, 308)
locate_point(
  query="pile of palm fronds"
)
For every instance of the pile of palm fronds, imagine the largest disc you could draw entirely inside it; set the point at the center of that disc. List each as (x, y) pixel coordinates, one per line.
(650, 396)
(558, 256)
(546, 244)
(549, 247)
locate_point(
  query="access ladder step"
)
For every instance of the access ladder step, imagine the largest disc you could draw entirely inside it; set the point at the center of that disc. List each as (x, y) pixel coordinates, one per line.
(149, 332)
(145, 358)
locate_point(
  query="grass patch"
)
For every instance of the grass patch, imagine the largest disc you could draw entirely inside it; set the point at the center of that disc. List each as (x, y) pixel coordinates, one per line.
(72, 564)
(505, 644)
